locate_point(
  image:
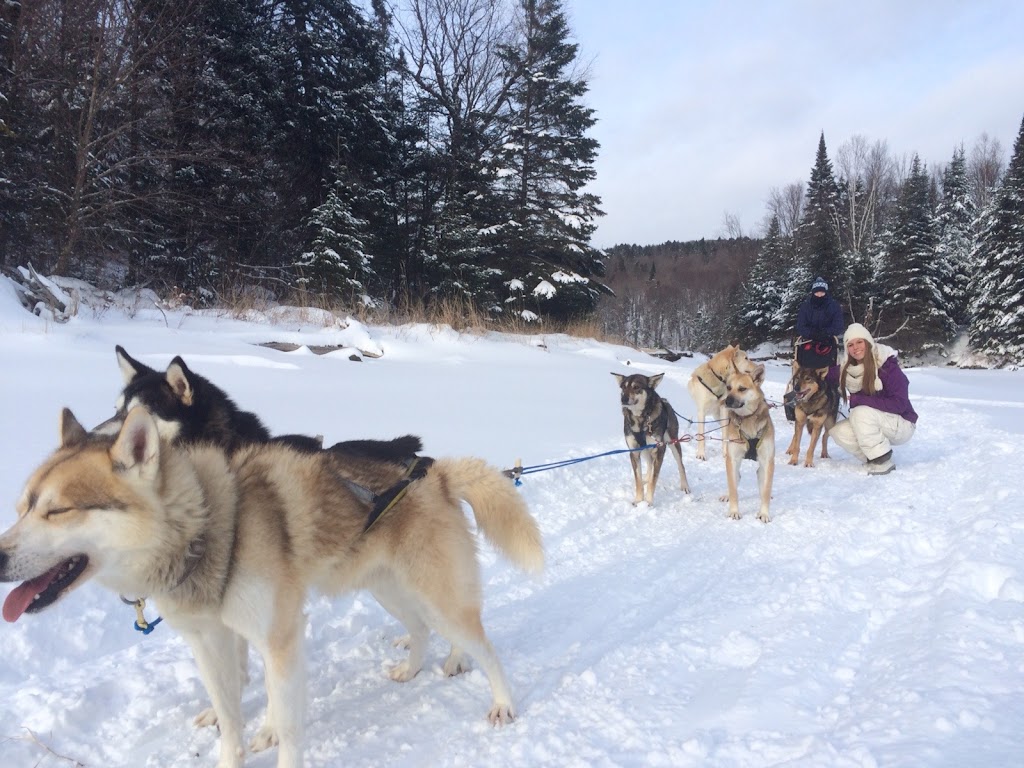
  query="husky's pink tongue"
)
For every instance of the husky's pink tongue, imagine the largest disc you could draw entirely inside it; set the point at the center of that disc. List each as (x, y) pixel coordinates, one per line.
(21, 597)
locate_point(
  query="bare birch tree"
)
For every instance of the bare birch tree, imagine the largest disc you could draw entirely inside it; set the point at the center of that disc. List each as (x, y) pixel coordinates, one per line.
(866, 172)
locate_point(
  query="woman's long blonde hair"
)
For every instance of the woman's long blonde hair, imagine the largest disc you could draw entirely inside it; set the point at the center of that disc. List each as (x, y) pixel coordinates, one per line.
(870, 371)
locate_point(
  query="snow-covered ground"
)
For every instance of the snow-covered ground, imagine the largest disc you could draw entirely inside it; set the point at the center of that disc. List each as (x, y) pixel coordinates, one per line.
(877, 621)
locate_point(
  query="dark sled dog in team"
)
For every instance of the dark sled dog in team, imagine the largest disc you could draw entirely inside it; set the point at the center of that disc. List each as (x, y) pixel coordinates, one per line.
(648, 419)
(815, 405)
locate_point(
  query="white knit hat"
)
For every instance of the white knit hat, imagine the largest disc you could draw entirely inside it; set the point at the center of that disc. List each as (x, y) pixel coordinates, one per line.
(858, 331)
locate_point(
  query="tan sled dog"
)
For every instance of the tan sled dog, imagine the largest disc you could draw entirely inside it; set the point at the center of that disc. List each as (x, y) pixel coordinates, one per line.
(230, 545)
(749, 434)
(707, 386)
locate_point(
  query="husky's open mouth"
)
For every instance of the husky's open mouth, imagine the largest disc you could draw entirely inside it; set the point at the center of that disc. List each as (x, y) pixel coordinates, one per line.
(36, 594)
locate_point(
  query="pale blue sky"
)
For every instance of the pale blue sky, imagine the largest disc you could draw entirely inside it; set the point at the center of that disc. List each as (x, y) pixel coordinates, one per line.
(703, 107)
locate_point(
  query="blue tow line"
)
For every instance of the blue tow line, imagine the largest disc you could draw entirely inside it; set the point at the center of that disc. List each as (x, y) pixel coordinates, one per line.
(517, 473)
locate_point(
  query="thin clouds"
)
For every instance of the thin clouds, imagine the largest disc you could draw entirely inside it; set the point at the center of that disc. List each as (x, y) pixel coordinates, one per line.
(704, 107)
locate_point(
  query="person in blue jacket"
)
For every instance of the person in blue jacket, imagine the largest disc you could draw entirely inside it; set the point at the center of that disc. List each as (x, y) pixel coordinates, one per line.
(819, 324)
(820, 317)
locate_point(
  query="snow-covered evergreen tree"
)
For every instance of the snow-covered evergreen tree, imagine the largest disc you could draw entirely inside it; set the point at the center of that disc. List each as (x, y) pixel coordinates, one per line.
(796, 285)
(955, 220)
(762, 292)
(998, 325)
(337, 266)
(911, 273)
(818, 243)
(544, 161)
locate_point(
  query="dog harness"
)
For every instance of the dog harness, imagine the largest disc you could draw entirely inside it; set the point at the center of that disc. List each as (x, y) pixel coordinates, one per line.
(383, 502)
(753, 443)
(196, 550)
(716, 395)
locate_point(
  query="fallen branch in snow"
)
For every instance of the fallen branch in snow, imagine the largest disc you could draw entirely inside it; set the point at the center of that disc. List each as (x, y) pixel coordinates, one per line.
(35, 740)
(41, 296)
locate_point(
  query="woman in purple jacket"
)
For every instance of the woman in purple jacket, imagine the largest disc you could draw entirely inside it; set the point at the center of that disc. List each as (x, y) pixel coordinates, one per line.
(881, 415)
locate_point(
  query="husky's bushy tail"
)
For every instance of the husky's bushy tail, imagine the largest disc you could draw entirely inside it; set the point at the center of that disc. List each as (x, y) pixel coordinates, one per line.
(500, 512)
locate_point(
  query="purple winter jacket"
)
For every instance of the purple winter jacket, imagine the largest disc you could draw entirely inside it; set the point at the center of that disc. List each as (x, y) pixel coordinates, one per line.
(895, 394)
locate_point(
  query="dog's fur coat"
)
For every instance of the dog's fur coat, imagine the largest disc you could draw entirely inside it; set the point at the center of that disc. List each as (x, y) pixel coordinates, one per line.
(231, 543)
(815, 406)
(749, 433)
(707, 387)
(648, 418)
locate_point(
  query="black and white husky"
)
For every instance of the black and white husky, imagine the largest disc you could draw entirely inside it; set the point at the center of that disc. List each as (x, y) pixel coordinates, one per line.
(189, 408)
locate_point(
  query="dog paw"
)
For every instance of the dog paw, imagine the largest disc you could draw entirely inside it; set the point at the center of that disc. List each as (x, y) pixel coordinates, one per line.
(501, 714)
(792, 462)
(764, 517)
(809, 463)
(724, 497)
(205, 719)
(735, 514)
(265, 738)
(454, 665)
(402, 673)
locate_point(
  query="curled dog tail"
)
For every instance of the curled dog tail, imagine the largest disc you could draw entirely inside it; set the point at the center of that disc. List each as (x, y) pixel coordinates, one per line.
(501, 514)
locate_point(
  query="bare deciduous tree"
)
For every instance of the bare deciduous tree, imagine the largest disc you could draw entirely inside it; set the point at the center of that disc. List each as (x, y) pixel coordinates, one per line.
(786, 204)
(867, 172)
(90, 55)
(984, 169)
(731, 225)
(451, 49)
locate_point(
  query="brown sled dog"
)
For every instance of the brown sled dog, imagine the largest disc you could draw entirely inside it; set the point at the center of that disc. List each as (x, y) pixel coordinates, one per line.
(749, 434)
(648, 418)
(816, 405)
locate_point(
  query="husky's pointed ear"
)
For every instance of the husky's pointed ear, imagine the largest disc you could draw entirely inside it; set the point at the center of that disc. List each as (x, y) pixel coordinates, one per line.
(655, 380)
(619, 377)
(71, 431)
(758, 374)
(137, 447)
(179, 378)
(130, 367)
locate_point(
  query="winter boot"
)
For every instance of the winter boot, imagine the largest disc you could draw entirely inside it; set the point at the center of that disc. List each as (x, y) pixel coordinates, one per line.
(882, 465)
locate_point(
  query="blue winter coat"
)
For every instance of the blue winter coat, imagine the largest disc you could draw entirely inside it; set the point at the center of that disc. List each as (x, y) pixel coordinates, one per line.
(820, 318)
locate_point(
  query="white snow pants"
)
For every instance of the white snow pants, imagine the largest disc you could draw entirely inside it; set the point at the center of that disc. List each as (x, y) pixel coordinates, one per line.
(870, 433)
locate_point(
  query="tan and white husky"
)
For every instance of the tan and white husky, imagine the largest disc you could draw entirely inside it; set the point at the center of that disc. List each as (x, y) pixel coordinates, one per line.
(707, 387)
(232, 544)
